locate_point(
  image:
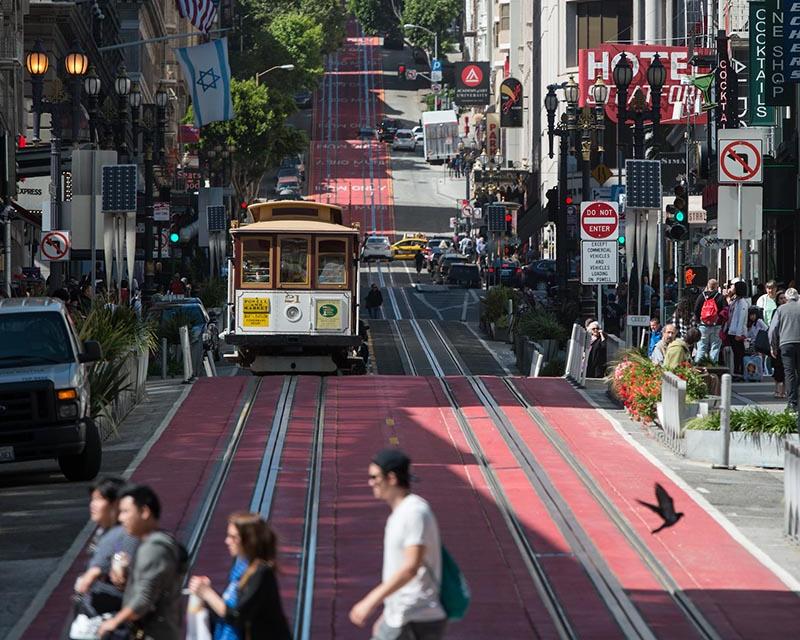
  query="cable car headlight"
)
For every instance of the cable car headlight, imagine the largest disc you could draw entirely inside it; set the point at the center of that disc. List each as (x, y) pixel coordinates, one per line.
(293, 313)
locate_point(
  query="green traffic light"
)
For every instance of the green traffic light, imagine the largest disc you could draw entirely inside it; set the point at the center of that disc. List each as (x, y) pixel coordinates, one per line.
(680, 216)
(174, 237)
(621, 240)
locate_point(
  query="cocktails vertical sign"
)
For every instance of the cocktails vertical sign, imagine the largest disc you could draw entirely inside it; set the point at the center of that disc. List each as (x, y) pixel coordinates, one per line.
(761, 114)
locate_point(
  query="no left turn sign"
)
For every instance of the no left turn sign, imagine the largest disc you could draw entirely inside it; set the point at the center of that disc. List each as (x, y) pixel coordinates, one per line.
(740, 161)
(55, 245)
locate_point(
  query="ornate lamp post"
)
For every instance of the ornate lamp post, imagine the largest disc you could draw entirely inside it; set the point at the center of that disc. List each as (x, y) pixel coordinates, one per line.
(76, 64)
(623, 76)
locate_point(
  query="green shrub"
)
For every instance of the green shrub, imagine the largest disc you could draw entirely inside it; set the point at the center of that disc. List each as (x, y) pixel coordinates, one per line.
(171, 328)
(539, 325)
(496, 303)
(750, 420)
(553, 369)
(214, 293)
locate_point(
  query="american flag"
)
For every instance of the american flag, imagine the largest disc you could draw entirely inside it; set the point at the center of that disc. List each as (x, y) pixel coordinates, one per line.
(201, 13)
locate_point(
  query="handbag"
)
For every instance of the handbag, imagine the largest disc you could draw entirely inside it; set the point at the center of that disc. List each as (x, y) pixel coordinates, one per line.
(761, 342)
(454, 593)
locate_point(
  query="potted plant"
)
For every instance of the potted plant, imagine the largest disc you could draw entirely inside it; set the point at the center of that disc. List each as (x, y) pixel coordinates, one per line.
(545, 329)
(500, 329)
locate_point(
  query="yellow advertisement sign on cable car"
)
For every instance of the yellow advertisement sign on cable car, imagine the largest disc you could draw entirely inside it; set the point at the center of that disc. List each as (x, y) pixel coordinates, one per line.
(255, 312)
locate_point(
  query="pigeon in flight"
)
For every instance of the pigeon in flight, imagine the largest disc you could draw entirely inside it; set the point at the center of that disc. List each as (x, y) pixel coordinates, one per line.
(665, 508)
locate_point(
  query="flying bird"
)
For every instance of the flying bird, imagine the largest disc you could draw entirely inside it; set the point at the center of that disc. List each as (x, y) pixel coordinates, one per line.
(665, 508)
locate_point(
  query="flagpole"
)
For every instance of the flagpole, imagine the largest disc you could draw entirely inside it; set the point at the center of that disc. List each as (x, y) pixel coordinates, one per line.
(174, 36)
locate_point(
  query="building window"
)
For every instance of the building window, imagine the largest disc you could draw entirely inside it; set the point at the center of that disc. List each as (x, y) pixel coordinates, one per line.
(505, 17)
(590, 23)
(256, 257)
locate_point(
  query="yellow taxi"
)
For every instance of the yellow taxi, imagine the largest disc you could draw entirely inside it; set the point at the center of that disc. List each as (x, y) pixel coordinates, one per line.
(407, 248)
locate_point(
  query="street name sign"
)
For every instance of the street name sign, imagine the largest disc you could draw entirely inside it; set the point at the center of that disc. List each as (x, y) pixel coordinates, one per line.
(599, 220)
(740, 158)
(638, 321)
(161, 211)
(599, 262)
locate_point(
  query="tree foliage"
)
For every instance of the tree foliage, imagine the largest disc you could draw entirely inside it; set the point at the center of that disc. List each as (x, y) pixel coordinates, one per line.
(302, 38)
(436, 15)
(376, 16)
(259, 133)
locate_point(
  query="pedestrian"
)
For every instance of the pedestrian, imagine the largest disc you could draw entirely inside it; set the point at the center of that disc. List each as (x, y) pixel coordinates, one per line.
(669, 333)
(784, 337)
(151, 602)
(176, 285)
(737, 324)
(768, 301)
(457, 166)
(761, 290)
(596, 358)
(683, 317)
(655, 335)
(419, 261)
(448, 166)
(612, 315)
(374, 301)
(412, 559)
(755, 325)
(250, 606)
(707, 313)
(778, 374)
(680, 349)
(111, 545)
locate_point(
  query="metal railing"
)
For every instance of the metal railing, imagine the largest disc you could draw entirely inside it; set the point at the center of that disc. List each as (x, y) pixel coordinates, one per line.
(791, 491)
(577, 351)
(673, 409)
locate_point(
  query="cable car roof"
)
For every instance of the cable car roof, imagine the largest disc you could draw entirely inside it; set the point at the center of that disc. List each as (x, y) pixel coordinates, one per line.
(295, 226)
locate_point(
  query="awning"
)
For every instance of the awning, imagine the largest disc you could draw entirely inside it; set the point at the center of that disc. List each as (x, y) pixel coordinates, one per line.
(31, 217)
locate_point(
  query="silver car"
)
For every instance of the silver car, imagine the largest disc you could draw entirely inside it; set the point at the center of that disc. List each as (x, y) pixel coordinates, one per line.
(376, 248)
(404, 139)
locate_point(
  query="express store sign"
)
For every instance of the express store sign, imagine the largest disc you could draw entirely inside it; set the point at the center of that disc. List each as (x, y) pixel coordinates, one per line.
(674, 95)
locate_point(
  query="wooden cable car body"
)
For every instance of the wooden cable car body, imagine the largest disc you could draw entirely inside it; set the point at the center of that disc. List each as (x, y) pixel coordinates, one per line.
(293, 288)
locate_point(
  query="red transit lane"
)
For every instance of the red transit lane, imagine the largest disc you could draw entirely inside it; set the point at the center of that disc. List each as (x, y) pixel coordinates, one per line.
(365, 414)
(178, 467)
(739, 595)
(348, 169)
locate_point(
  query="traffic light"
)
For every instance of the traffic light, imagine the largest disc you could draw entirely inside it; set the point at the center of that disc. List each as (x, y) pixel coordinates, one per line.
(568, 200)
(509, 223)
(401, 71)
(175, 229)
(677, 223)
(695, 276)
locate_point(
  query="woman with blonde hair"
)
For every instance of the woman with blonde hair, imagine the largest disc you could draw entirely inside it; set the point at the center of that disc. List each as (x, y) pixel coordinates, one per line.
(250, 607)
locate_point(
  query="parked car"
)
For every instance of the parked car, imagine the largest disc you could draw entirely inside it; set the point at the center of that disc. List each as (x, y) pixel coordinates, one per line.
(386, 129)
(419, 133)
(44, 388)
(407, 248)
(404, 139)
(505, 272)
(464, 274)
(443, 264)
(420, 57)
(376, 247)
(303, 99)
(202, 326)
(433, 249)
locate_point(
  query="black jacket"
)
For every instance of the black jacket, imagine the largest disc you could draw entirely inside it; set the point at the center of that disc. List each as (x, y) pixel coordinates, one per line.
(698, 305)
(259, 613)
(374, 298)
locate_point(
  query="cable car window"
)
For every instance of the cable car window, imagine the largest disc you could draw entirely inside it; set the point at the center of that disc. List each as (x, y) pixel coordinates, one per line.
(294, 261)
(331, 261)
(256, 259)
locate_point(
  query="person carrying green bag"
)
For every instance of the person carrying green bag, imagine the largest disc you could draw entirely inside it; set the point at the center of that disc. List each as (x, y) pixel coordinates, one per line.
(421, 586)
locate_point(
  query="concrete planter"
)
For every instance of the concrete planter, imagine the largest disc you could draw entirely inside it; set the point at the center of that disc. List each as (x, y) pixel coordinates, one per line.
(500, 333)
(755, 450)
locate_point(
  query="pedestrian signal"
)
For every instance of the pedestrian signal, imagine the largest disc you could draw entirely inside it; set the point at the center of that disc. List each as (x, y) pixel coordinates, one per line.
(568, 200)
(695, 276)
(401, 71)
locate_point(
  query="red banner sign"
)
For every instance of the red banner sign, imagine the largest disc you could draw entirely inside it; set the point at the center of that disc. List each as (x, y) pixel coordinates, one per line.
(676, 97)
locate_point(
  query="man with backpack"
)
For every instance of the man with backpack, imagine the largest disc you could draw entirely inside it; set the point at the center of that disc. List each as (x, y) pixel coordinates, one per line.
(412, 559)
(152, 596)
(708, 313)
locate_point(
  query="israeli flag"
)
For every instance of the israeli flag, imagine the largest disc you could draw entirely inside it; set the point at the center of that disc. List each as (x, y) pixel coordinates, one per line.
(208, 76)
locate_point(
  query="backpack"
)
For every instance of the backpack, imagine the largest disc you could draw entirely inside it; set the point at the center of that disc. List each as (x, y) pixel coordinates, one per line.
(454, 593)
(709, 314)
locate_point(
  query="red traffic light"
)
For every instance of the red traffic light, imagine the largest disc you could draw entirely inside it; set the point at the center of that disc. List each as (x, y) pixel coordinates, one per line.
(401, 68)
(568, 199)
(243, 205)
(508, 217)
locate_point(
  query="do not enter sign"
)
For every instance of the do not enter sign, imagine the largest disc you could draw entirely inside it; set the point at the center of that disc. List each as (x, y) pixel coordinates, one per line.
(599, 220)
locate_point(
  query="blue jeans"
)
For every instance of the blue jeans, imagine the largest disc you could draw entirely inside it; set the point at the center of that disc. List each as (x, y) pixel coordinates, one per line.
(374, 312)
(709, 345)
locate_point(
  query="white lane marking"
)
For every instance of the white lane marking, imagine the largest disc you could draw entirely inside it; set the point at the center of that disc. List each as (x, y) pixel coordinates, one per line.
(788, 579)
(392, 296)
(422, 299)
(486, 346)
(82, 538)
(703, 490)
(465, 307)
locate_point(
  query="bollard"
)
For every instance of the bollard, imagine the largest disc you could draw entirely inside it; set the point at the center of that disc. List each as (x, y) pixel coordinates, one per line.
(725, 422)
(186, 350)
(164, 358)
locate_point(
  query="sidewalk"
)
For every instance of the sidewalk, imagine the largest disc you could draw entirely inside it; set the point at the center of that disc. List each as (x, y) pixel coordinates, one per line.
(756, 393)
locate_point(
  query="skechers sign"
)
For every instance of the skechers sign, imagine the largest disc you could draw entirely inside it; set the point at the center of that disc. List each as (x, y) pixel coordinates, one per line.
(791, 40)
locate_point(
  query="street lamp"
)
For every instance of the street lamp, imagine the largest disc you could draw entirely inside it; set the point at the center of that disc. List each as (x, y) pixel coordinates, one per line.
(92, 86)
(623, 76)
(285, 67)
(426, 30)
(122, 86)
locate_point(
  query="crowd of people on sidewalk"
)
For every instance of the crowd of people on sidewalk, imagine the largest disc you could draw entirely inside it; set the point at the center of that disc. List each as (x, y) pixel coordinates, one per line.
(131, 586)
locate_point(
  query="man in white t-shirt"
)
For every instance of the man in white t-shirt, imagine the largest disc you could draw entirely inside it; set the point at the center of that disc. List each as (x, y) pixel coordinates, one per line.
(412, 559)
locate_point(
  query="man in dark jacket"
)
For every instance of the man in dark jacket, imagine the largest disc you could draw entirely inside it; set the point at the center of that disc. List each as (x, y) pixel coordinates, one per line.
(374, 302)
(710, 343)
(153, 592)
